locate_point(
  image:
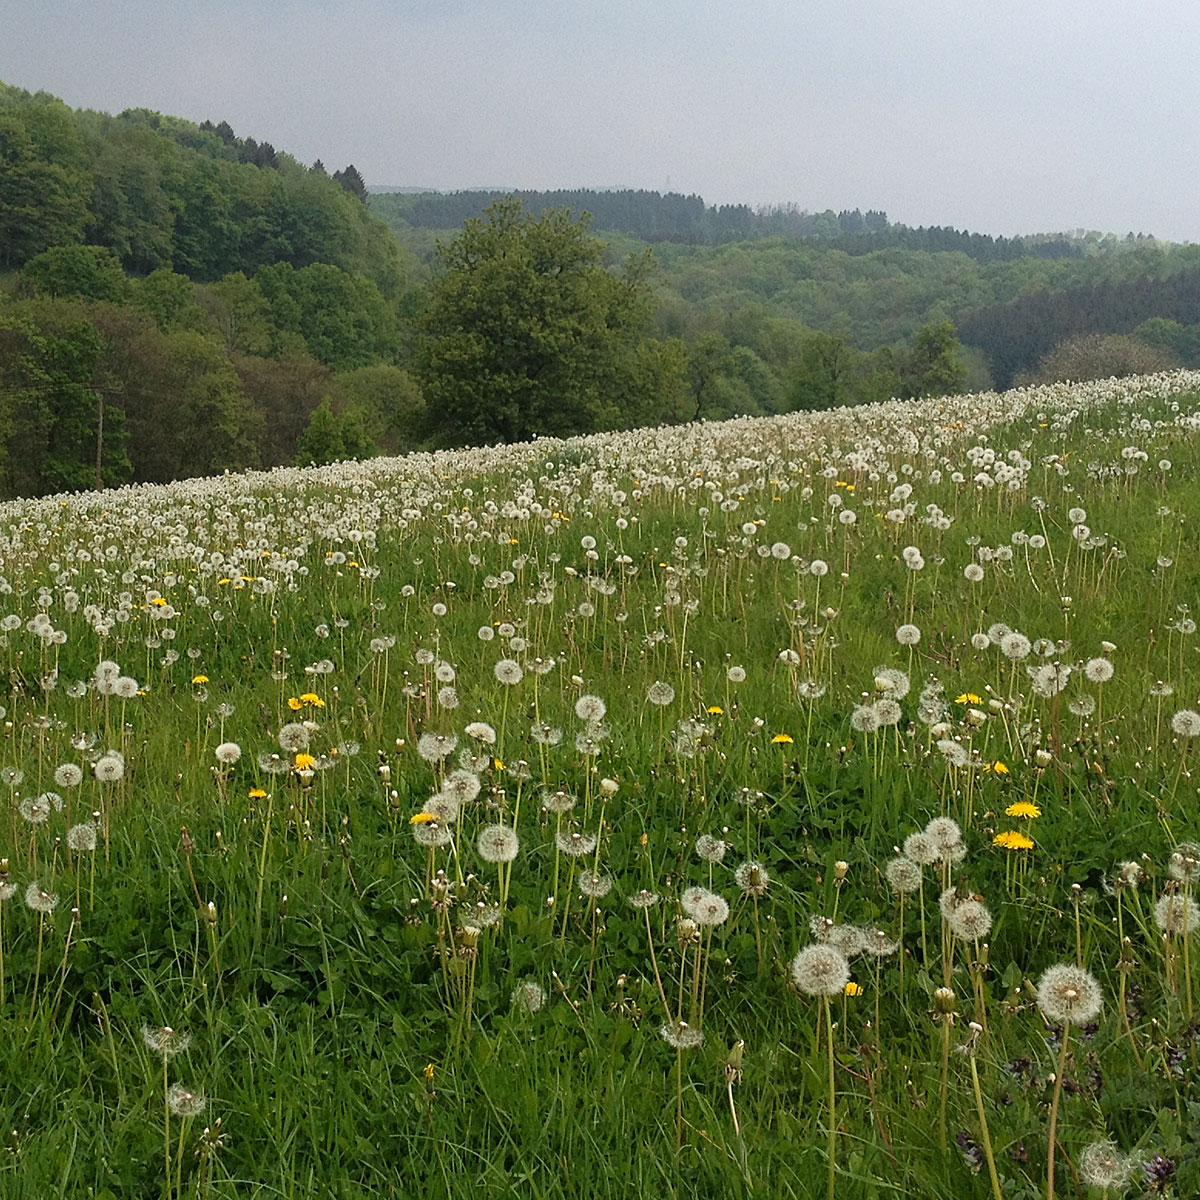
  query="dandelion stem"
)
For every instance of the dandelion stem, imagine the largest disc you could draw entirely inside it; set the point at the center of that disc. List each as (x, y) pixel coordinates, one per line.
(1058, 1080)
(983, 1127)
(832, 1117)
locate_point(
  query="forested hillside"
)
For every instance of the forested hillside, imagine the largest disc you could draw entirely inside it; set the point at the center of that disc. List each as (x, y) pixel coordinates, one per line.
(180, 299)
(654, 217)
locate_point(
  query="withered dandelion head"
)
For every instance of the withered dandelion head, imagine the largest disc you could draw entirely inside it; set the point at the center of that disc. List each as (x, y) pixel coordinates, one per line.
(164, 1041)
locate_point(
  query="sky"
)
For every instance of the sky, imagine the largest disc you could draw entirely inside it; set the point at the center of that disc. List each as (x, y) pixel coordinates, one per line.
(1005, 117)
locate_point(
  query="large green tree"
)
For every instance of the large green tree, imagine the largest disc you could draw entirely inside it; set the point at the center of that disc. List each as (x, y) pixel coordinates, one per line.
(526, 332)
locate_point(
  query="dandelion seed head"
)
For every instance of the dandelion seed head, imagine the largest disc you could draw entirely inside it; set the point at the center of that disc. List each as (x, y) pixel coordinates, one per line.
(820, 970)
(1186, 723)
(68, 775)
(528, 997)
(903, 874)
(590, 708)
(575, 844)
(293, 737)
(594, 885)
(1067, 994)
(498, 843)
(1102, 1165)
(184, 1103)
(1177, 914)
(944, 832)
(433, 747)
(164, 1041)
(109, 768)
(971, 921)
(82, 838)
(508, 672)
(679, 1035)
(710, 849)
(227, 753)
(752, 878)
(38, 900)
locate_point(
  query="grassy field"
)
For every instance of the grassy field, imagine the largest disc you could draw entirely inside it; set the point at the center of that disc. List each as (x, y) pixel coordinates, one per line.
(778, 808)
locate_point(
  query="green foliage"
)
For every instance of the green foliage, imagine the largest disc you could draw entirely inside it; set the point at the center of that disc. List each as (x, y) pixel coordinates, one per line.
(825, 373)
(284, 392)
(391, 404)
(43, 194)
(340, 319)
(50, 437)
(934, 366)
(526, 333)
(333, 438)
(83, 272)
(162, 192)
(169, 298)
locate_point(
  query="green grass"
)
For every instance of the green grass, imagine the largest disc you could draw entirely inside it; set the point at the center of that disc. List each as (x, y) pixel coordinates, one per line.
(350, 1012)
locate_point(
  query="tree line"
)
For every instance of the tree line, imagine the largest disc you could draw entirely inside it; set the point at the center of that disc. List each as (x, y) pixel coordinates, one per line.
(655, 217)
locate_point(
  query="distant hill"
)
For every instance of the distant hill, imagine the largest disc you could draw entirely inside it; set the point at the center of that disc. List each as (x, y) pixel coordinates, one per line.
(657, 217)
(162, 192)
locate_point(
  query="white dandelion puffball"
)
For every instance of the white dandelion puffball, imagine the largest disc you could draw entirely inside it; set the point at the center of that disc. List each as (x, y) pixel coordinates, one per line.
(820, 970)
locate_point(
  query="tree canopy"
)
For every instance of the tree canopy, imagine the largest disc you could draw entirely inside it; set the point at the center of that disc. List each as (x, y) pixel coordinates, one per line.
(525, 331)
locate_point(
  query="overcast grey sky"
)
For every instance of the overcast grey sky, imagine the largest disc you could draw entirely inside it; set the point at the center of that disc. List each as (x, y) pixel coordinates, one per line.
(1004, 116)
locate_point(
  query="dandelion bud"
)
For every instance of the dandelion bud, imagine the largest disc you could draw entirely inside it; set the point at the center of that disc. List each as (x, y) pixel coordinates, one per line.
(385, 772)
(840, 870)
(945, 1002)
(1042, 758)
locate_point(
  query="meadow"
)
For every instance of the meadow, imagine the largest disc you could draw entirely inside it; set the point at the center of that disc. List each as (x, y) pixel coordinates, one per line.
(787, 807)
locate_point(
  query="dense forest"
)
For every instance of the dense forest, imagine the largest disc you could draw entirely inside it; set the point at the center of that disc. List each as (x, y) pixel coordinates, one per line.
(179, 299)
(653, 217)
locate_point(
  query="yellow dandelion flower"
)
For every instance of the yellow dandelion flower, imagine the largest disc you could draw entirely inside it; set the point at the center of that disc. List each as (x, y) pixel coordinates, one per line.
(853, 989)
(782, 739)
(199, 679)
(159, 601)
(968, 698)
(313, 699)
(497, 765)
(1011, 839)
(1023, 808)
(294, 703)
(304, 762)
(421, 818)
(256, 793)
(429, 1069)
(715, 710)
